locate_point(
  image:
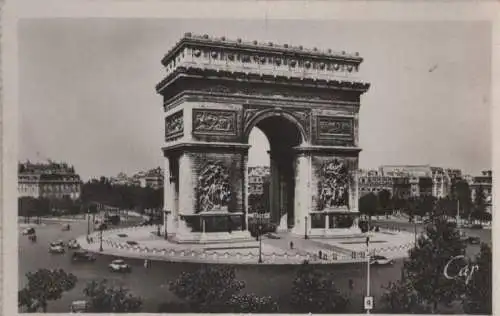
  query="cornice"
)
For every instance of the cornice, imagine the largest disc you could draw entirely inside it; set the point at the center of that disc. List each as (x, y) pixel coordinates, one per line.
(311, 82)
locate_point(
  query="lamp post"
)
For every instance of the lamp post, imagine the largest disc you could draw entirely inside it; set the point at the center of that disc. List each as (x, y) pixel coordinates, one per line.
(88, 223)
(305, 224)
(260, 242)
(165, 214)
(368, 267)
(100, 238)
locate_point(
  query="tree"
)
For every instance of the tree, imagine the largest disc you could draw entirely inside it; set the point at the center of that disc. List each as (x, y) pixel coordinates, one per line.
(314, 291)
(478, 292)
(208, 288)
(251, 303)
(107, 299)
(43, 286)
(368, 204)
(460, 191)
(384, 199)
(479, 203)
(402, 298)
(426, 263)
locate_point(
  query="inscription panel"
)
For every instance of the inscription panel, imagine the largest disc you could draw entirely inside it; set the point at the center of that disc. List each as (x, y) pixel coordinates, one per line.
(174, 126)
(215, 122)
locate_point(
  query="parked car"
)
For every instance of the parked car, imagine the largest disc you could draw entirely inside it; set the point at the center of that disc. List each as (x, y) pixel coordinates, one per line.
(29, 231)
(477, 226)
(474, 240)
(56, 248)
(79, 307)
(82, 256)
(119, 266)
(380, 260)
(73, 244)
(58, 242)
(272, 236)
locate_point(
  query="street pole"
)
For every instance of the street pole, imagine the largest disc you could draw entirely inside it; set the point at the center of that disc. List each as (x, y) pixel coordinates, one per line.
(88, 223)
(260, 243)
(165, 214)
(100, 237)
(368, 267)
(305, 231)
(415, 230)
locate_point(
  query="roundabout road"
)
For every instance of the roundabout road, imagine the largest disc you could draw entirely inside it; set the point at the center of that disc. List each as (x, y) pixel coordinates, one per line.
(152, 284)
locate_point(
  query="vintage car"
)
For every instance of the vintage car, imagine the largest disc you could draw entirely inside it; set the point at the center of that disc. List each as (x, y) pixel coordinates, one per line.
(82, 256)
(79, 307)
(29, 231)
(119, 266)
(380, 260)
(56, 248)
(73, 244)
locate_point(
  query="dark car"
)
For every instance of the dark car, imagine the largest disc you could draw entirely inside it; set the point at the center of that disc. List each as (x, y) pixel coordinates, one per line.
(476, 226)
(380, 260)
(82, 256)
(474, 240)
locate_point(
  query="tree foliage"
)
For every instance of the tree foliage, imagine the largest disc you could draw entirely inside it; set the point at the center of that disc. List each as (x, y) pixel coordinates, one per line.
(479, 203)
(402, 298)
(368, 204)
(384, 199)
(121, 196)
(426, 263)
(109, 299)
(251, 303)
(314, 291)
(478, 297)
(43, 286)
(208, 288)
(460, 191)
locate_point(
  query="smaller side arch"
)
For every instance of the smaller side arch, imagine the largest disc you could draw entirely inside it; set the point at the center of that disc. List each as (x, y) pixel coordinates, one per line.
(269, 113)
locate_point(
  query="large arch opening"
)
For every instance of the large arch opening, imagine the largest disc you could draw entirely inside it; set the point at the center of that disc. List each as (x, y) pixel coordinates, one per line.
(278, 186)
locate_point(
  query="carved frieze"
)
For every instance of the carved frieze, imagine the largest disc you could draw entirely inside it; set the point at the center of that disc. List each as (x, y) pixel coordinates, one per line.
(335, 127)
(219, 122)
(285, 93)
(213, 188)
(174, 126)
(333, 185)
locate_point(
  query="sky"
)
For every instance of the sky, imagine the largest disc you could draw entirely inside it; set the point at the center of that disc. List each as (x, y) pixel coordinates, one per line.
(87, 88)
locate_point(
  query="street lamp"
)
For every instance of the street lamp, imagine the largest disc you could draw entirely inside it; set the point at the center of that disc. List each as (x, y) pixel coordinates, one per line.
(260, 243)
(165, 214)
(368, 267)
(305, 231)
(100, 238)
(88, 223)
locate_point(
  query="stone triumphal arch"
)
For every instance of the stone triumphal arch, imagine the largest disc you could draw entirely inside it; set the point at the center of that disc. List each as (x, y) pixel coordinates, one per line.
(306, 101)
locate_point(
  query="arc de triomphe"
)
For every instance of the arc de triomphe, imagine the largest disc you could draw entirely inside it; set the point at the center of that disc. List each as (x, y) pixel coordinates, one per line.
(306, 101)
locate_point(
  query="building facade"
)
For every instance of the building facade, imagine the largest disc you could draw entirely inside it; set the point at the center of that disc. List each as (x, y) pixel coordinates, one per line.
(257, 177)
(407, 181)
(372, 181)
(484, 182)
(48, 180)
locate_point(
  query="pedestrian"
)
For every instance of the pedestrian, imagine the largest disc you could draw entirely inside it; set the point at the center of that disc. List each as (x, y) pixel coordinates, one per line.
(146, 263)
(291, 244)
(320, 254)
